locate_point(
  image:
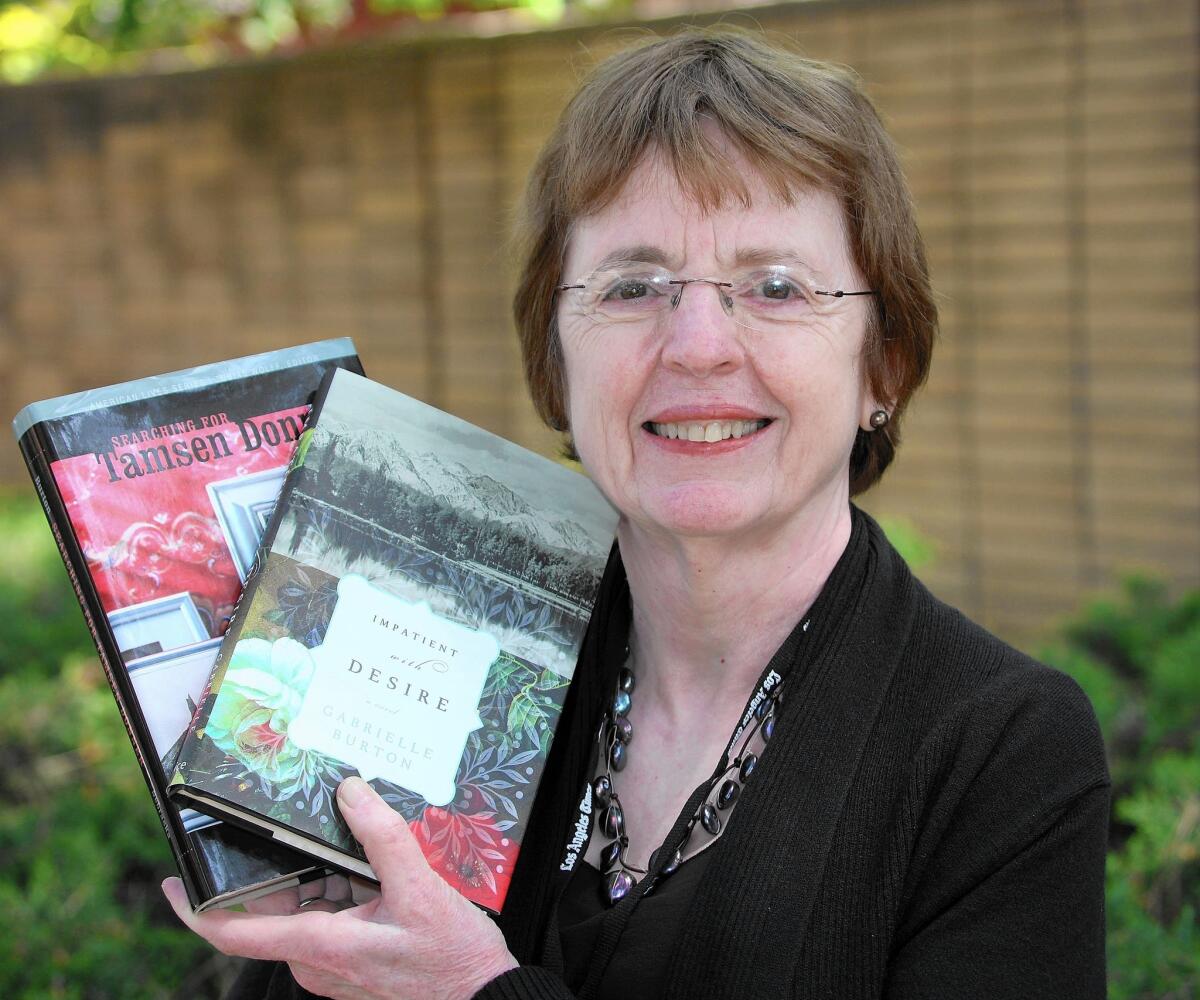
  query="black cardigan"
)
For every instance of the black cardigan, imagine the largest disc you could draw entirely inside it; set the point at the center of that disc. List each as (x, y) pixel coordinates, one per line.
(930, 819)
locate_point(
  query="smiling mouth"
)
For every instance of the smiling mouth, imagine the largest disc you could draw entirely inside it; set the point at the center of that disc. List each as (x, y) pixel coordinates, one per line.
(710, 431)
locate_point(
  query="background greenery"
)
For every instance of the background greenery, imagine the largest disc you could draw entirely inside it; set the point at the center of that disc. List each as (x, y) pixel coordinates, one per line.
(81, 852)
(73, 37)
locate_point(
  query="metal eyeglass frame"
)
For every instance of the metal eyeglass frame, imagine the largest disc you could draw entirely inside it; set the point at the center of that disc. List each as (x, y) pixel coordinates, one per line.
(725, 299)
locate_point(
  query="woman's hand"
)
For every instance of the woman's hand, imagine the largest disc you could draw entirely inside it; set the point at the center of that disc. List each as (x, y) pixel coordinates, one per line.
(418, 938)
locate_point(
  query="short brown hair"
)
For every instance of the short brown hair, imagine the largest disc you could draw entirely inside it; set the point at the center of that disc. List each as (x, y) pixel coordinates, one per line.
(800, 123)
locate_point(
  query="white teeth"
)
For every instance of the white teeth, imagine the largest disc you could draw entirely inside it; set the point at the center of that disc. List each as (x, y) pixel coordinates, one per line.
(710, 431)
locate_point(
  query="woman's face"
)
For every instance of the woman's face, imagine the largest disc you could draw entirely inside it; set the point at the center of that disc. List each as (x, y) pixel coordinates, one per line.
(695, 366)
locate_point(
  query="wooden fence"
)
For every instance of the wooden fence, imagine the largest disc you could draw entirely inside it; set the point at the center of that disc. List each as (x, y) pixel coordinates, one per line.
(156, 222)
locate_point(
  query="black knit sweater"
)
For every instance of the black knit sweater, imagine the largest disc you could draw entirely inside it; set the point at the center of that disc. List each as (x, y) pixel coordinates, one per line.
(929, 820)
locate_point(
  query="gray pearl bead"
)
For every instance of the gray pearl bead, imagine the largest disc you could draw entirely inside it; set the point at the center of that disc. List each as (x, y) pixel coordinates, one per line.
(728, 794)
(623, 729)
(709, 819)
(612, 824)
(616, 887)
(749, 763)
(609, 856)
(617, 756)
(621, 703)
(602, 790)
(625, 680)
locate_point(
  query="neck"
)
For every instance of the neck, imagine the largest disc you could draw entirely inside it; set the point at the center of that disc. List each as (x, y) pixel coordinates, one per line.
(708, 613)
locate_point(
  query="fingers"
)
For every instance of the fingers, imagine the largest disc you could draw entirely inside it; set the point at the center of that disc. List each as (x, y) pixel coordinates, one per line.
(252, 935)
(319, 904)
(336, 888)
(362, 891)
(330, 893)
(276, 903)
(391, 848)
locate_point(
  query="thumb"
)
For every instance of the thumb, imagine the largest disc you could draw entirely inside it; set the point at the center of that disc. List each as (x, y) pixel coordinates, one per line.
(391, 848)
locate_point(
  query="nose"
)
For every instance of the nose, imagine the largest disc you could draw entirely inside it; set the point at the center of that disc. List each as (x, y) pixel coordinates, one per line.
(700, 338)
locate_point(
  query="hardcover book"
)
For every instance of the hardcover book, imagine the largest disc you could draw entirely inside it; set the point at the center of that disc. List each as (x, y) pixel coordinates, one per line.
(422, 595)
(157, 492)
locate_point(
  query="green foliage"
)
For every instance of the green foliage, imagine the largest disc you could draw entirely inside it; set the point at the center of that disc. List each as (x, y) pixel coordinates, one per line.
(40, 623)
(81, 849)
(98, 36)
(1154, 885)
(916, 548)
(1138, 659)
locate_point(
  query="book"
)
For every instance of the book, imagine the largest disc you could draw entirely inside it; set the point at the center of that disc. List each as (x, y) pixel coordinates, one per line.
(421, 598)
(157, 492)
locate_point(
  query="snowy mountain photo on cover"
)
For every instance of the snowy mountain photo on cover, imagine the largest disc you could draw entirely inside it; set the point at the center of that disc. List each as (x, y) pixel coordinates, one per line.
(431, 508)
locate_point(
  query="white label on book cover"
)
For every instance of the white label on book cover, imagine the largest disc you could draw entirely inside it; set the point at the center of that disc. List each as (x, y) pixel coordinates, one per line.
(395, 690)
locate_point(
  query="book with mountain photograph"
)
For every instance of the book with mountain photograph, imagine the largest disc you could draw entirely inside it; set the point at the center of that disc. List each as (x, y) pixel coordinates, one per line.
(157, 492)
(422, 594)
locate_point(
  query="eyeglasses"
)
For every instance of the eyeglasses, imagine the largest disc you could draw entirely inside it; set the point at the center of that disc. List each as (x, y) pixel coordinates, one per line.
(760, 298)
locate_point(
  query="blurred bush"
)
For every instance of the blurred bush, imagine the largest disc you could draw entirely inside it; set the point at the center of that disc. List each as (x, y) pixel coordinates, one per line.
(1138, 658)
(71, 37)
(916, 548)
(81, 850)
(40, 623)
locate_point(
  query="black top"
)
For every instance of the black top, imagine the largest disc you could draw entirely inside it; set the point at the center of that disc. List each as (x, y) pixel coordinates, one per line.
(637, 969)
(930, 819)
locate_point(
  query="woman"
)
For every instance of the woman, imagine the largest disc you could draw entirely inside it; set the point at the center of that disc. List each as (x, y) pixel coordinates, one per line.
(810, 777)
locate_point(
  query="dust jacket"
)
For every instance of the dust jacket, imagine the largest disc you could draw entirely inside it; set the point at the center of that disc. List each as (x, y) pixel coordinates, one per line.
(421, 598)
(157, 492)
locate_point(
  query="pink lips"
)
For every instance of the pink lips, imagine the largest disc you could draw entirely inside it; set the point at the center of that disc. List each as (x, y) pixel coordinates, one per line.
(704, 414)
(704, 431)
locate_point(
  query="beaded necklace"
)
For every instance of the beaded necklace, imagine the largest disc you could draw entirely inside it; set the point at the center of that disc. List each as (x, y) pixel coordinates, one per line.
(755, 728)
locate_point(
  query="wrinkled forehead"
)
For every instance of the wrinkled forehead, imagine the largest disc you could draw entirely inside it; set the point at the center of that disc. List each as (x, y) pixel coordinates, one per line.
(686, 225)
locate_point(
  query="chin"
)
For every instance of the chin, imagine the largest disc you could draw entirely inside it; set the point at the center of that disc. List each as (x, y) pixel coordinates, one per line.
(702, 512)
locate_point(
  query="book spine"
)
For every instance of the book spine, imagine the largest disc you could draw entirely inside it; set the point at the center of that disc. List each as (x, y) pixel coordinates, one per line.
(253, 578)
(37, 453)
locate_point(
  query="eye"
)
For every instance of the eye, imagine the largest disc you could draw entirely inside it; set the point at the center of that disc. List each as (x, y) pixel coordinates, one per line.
(625, 294)
(625, 289)
(777, 287)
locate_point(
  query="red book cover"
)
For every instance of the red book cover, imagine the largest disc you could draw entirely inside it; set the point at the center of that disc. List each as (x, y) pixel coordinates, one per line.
(158, 492)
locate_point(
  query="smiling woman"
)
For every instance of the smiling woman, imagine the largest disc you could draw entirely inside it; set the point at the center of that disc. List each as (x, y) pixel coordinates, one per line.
(785, 769)
(792, 375)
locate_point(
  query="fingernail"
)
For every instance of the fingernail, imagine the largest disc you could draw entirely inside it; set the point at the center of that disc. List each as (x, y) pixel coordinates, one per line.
(353, 792)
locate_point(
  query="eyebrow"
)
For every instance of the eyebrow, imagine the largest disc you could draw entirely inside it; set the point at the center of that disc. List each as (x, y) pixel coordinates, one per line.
(778, 255)
(644, 253)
